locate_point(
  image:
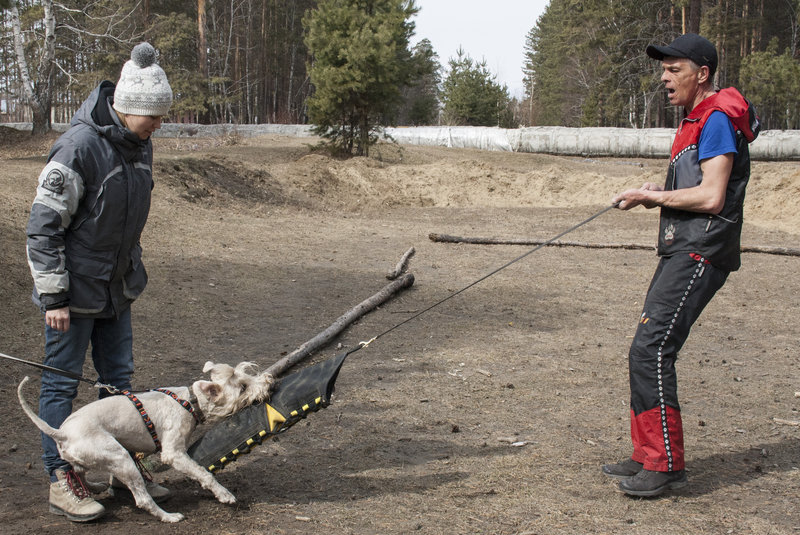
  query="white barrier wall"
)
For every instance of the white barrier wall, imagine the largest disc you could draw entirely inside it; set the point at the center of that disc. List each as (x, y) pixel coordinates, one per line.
(617, 142)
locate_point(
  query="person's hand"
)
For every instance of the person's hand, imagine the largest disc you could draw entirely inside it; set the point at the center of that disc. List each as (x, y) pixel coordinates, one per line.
(58, 319)
(634, 197)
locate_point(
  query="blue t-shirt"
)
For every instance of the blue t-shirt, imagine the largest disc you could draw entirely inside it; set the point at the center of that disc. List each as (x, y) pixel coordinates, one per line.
(717, 137)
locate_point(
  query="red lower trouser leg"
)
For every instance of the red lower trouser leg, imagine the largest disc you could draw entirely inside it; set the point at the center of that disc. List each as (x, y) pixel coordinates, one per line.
(658, 439)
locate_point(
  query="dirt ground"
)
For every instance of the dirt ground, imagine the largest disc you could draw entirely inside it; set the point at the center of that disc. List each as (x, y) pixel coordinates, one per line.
(492, 412)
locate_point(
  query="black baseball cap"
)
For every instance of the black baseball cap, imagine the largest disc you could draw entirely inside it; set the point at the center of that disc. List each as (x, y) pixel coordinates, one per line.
(689, 45)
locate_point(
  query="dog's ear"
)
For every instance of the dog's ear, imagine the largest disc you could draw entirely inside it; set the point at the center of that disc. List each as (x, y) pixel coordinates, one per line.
(210, 390)
(244, 367)
(219, 372)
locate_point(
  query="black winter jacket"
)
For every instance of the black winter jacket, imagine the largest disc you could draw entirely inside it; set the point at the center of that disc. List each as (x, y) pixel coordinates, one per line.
(91, 205)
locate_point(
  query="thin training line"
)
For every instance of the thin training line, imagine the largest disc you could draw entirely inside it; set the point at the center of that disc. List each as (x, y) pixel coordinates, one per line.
(504, 266)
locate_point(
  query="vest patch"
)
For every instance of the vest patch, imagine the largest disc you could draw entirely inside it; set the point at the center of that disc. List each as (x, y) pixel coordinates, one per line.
(669, 234)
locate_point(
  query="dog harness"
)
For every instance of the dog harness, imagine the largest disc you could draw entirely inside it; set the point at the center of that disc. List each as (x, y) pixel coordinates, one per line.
(151, 428)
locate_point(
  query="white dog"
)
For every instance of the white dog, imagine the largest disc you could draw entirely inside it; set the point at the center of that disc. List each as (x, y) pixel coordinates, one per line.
(101, 435)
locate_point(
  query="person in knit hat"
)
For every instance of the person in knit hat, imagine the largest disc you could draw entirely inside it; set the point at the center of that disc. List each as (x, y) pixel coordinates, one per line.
(142, 88)
(142, 92)
(91, 205)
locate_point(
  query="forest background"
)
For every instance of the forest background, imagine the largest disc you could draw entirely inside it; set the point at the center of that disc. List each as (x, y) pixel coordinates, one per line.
(250, 62)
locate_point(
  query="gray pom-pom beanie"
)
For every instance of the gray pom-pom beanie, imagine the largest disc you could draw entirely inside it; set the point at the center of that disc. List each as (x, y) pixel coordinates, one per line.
(143, 88)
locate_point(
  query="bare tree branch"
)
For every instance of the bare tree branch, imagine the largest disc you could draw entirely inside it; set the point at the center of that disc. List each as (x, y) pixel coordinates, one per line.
(340, 324)
(402, 265)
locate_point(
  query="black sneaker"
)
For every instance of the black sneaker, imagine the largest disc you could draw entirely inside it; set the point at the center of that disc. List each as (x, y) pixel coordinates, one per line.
(650, 483)
(623, 469)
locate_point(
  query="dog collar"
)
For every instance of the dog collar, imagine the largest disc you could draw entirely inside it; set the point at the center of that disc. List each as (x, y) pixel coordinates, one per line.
(196, 411)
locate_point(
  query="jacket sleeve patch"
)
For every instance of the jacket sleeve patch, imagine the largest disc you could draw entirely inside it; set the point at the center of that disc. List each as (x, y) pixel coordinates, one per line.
(54, 181)
(60, 189)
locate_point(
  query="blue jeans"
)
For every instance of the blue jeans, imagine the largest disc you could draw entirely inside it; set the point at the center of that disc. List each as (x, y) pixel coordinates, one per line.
(112, 353)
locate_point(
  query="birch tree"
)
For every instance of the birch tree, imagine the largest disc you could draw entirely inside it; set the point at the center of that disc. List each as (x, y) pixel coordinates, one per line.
(36, 79)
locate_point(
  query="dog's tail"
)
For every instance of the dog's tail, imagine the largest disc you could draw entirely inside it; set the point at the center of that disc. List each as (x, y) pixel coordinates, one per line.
(41, 424)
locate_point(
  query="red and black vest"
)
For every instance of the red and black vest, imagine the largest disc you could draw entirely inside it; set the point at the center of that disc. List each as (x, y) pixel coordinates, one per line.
(714, 236)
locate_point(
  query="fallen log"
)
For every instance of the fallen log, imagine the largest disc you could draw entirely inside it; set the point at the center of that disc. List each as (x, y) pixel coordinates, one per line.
(446, 238)
(401, 266)
(340, 324)
(784, 251)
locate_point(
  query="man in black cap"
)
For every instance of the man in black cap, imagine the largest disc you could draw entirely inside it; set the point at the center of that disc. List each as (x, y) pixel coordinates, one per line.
(698, 244)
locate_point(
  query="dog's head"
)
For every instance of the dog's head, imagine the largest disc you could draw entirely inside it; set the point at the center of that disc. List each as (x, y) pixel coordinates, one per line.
(231, 389)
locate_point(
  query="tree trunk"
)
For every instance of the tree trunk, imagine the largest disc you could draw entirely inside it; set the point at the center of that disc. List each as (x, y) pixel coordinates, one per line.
(202, 44)
(37, 93)
(41, 119)
(683, 19)
(744, 38)
(363, 135)
(757, 26)
(720, 43)
(695, 12)
(292, 58)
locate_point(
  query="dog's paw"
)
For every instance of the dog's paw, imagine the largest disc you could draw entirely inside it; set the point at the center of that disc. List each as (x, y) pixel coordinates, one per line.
(172, 517)
(224, 496)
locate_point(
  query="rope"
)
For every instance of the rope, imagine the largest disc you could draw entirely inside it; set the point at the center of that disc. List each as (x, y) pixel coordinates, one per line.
(65, 373)
(504, 266)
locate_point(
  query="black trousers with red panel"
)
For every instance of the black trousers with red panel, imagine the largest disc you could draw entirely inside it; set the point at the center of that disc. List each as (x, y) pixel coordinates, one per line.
(682, 286)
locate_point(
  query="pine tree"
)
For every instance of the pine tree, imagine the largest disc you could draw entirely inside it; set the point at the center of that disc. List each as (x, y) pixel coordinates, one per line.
(471, 95)
(360, 61)
(585, 63)
(775, 80)
(549, 63)
(421, 99)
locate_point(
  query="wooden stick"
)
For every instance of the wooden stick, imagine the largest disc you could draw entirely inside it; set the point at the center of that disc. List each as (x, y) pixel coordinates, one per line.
(340, 324)
(446, 238)
(786, 422)
(785, 251)
(401, 266)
